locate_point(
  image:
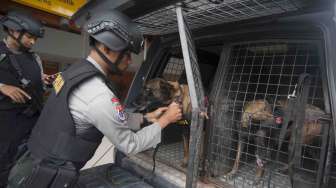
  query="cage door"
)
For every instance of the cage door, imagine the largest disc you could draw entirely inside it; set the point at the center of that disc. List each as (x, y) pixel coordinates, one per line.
(196, 96)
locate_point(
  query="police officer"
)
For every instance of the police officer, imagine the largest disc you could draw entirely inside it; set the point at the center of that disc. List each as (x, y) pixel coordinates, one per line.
(21, 85)
(84, 106)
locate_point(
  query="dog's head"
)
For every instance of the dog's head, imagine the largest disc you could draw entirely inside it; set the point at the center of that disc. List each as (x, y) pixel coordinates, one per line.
(156, 92)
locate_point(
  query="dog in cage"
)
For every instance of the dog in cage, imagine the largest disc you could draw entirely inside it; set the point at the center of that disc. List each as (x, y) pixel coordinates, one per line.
(160, 92)
(260, 115)
(253, 111)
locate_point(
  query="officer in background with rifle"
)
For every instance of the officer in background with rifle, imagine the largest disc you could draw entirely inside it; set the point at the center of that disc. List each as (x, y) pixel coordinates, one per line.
(22, 85)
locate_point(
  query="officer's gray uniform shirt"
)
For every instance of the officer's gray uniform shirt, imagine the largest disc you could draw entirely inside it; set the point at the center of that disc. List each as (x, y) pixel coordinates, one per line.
(93, 104)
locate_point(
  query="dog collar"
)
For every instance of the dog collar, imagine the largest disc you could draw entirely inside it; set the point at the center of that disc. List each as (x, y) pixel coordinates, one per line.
(182, 122)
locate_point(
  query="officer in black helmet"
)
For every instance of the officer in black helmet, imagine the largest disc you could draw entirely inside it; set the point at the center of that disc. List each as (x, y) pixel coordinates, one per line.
(21, 85)
(84, 106)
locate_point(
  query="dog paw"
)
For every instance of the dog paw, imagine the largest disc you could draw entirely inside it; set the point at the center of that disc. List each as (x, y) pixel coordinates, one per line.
(230, 175)
(257, 184)
(257, 181)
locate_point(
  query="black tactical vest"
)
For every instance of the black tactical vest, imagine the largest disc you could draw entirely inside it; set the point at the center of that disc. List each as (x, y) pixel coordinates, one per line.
(54, 137)
(8, 75)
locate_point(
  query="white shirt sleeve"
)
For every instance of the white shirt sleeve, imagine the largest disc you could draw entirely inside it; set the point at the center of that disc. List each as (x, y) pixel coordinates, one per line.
(134, 121)
(109, 118)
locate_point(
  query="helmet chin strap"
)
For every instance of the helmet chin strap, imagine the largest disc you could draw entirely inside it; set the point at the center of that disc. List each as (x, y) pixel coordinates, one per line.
(21, 48)
(113, 66)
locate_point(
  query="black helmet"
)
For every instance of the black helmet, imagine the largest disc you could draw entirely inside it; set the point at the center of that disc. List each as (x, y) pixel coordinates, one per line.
(115, 30)
(20, 21)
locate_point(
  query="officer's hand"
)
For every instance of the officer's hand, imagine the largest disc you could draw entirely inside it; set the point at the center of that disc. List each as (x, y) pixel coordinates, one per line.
(153, 116)
(48, 79)
(172, 114)
(15, 93)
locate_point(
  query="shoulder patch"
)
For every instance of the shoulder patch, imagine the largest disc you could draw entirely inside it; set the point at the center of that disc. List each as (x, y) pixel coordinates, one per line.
(120, 115)
(58, 83)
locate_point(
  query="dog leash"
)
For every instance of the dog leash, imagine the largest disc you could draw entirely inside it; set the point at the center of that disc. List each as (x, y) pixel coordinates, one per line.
(158, 146)
(154, 157)
(177, 99)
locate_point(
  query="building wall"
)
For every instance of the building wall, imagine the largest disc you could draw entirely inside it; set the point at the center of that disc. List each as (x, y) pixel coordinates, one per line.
(61, 43)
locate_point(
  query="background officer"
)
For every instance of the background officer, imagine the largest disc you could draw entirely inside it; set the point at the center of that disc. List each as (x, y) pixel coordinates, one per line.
(21, 85)
(84, 106)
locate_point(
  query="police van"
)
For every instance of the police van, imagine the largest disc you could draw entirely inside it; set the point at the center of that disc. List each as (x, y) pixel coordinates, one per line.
(261, 77)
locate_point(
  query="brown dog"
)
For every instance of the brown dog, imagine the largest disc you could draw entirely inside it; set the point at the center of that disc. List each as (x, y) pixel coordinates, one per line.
(261, 111)
(257, 110)
(159, 92)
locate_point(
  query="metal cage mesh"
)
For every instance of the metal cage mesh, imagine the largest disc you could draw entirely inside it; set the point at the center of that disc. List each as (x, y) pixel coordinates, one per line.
(267, 71)
(203, 13)
(174, 69)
